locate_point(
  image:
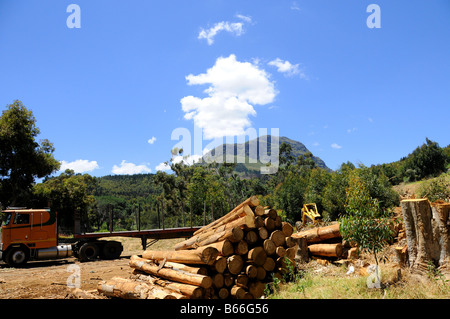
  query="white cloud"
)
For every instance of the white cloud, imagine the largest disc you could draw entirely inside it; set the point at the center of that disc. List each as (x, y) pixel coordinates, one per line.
(287, 67)
(79, 166)
(152, 140)
(234, 87)
(336, 146)
(209, 34)
(245, 18)
(294, 6)
(351, 130)
(235, 28)
(188, 160)
(130, 168)
(163, 167)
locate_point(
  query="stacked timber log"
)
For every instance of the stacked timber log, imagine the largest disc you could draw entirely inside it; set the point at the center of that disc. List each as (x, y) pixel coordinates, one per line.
(321, 242)
(232, 257)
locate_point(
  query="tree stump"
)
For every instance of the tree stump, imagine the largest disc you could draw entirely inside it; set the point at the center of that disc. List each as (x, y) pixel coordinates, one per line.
(401, 255)
(301, 256)
(441, 217)
(426, 233)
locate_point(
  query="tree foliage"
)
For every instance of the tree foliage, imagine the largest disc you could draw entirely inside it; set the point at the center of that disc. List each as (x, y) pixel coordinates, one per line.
(427, 160)
(436, 189)
(22, 158)
(364, 223)
(208, 190)
(66, 194)
(290, 195)
(334, 196)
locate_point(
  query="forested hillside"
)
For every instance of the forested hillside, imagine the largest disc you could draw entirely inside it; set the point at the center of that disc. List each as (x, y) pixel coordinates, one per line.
(248, 163)
(208, 191)
(129, 186)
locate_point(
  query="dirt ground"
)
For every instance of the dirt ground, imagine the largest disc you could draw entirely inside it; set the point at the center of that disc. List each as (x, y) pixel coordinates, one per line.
(48, 279)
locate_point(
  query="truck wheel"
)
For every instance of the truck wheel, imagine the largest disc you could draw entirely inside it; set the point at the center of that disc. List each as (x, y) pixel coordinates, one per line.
(88, 252)
(112, 250)
(17, 257)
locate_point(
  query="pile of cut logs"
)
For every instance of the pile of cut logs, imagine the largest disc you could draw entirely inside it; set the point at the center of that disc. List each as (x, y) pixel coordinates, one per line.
(232, 257)
(321, 242)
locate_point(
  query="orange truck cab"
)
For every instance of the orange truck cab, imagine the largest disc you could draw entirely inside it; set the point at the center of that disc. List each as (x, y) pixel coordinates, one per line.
(30, 234)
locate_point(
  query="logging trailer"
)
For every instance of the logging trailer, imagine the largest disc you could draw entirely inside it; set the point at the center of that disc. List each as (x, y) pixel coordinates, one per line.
(32, 234)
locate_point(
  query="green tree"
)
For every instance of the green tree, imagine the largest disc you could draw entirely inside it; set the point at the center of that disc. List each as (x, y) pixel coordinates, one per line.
(197, 190)
(103, 207)
(334, 195)
(446, 151)
(215, 197)
(364, 222)
(290, 195)
(169, 198)
(22, 158)
(435, 189)
(379, 187)
(66, 194)
(318, 180)
(426, 160)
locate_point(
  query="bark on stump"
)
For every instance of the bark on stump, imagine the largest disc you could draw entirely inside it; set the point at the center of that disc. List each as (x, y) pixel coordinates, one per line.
(441, 217)
(426, 233)
(301, 255)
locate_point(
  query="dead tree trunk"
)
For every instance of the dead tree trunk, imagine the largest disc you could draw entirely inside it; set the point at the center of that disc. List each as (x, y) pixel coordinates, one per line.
(319, 234)
(441, 217)
(170, 273)
(128, 289)
(190, 291)
(252, 202)
(426, 233)
(301, 256)
(205, 256)
(326, 250)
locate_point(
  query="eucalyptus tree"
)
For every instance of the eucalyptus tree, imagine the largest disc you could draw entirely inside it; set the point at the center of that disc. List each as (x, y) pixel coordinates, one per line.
(22, 158)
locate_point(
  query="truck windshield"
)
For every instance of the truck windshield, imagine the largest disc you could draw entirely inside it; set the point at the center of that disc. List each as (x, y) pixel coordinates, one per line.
(6, 218)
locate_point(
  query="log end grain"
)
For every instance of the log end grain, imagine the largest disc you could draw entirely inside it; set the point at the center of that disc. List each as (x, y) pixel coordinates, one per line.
(235, 264)
(209, 255)
(257, 255)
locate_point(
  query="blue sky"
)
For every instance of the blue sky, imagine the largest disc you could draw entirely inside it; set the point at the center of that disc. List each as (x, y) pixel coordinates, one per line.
(137, 70)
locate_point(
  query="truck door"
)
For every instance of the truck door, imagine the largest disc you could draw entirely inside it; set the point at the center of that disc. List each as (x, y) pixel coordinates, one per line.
(20, 228)
(43, 228)
(38, 232)
(6, 230)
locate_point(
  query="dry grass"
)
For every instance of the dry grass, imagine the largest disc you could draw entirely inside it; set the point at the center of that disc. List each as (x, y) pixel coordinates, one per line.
(133, 246)
(333, 282)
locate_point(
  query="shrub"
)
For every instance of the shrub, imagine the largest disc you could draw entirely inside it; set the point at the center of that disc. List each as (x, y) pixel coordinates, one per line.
(289, 196)
(365, 222)
(334, 193)
(435, 189)
(318, 180)
(426, 160)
